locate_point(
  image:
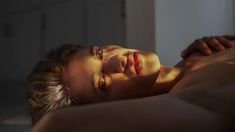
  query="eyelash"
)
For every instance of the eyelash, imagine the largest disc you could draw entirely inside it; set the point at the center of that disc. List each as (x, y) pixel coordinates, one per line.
(102, 83)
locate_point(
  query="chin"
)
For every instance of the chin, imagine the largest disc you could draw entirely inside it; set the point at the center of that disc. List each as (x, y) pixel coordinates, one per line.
(150, 63)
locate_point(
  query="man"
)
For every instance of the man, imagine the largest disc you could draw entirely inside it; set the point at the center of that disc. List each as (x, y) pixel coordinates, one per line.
(72, 75)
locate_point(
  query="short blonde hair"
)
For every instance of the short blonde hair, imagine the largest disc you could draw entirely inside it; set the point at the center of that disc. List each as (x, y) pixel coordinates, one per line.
(45, 89)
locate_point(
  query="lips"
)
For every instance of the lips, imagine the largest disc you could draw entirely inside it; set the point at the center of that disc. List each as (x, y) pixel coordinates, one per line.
(133, 63)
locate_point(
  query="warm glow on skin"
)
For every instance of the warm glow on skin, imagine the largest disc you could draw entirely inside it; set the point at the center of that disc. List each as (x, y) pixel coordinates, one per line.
(126, 73)
(167, 78)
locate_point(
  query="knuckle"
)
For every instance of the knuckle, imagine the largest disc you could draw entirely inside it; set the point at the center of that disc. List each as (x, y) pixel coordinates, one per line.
(204, 46)
(205, 38)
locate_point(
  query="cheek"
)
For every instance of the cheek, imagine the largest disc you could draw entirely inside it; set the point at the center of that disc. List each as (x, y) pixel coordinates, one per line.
(132, 88)
(150, 63)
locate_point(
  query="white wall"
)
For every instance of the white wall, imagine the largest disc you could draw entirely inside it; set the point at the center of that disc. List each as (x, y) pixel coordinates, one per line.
(140, 24)
(179, 22)
(105, 22)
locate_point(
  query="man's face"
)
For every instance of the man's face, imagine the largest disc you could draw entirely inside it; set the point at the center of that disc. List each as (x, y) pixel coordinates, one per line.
(111, 73)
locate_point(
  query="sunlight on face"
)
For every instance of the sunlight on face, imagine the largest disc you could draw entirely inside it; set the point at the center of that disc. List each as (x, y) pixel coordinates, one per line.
(111, 73)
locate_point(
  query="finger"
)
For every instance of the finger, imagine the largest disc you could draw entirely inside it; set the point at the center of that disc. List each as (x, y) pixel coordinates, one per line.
(229, 37)
(186, 53)
(189, 50)
(183, 54)
(203, 47)
(215, 44)
(225, 42)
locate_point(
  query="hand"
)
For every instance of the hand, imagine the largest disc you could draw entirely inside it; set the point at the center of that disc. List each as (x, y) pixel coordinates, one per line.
(209, 45)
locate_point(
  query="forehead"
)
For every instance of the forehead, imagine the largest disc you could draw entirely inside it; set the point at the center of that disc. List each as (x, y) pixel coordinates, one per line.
(79, 73)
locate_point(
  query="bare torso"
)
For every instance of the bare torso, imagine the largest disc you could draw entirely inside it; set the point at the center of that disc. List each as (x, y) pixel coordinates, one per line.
(210, 84)
(217, 68)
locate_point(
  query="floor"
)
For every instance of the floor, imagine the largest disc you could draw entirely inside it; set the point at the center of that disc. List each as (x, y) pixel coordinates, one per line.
(13, 109)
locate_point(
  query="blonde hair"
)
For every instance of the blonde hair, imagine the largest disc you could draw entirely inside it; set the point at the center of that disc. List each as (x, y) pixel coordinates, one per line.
(45, 89)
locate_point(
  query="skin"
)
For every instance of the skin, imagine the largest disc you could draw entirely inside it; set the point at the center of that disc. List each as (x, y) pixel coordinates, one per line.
(119, 73)
(156, 113)
(127, 73)
(209, 45)
(203, 100)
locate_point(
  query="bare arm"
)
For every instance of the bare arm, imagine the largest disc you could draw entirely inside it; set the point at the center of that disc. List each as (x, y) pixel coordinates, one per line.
(160, 113)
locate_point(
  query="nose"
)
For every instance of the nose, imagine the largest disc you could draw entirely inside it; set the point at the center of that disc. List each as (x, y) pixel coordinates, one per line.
(115, 64)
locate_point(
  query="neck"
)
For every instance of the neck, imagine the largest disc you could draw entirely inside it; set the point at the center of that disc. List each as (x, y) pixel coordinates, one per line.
(167, 78)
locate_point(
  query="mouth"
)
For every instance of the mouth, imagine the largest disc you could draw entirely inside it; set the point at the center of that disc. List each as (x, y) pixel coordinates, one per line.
(137, 63)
